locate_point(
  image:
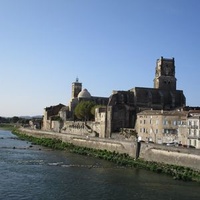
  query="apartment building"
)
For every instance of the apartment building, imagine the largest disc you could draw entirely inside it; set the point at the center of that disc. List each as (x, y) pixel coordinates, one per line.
(160, 126)
(193, 129)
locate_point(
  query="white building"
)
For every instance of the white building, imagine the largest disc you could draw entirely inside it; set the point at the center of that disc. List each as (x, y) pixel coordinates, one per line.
(193, 129)
(160, 126)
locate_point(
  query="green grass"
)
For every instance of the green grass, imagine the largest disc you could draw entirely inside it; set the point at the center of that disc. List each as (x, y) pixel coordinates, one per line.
(9, 127)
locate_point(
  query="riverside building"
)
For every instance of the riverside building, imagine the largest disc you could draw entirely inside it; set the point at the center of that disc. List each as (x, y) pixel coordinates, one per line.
(155, 113)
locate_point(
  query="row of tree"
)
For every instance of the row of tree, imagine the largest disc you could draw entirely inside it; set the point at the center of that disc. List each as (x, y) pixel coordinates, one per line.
(15, 119)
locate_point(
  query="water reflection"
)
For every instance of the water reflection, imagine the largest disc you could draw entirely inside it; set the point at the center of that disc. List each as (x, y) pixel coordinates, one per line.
(41, 173)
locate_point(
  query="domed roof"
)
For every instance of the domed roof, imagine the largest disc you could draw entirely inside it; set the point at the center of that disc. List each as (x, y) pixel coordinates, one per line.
(84, 94)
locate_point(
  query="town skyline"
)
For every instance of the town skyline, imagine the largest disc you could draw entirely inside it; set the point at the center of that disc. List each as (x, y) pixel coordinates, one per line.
(108, 45)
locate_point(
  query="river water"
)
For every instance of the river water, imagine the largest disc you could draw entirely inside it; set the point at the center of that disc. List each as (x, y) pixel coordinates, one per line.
(31, 172)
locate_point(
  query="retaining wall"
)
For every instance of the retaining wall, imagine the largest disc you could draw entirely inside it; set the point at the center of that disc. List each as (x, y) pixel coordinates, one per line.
(150, 152)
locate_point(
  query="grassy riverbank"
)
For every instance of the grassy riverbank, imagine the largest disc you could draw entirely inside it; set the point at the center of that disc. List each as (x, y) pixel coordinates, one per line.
(9, 127)
(177, 172)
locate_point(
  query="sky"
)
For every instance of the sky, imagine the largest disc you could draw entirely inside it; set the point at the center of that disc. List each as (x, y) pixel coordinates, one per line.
(108, 44)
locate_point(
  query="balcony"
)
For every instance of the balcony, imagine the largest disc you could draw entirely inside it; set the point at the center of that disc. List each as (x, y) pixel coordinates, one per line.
(170, 131)
(193, 127)
(193, 137)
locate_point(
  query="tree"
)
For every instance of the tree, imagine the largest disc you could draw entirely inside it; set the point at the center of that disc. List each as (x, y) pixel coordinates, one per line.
(83, 110)
(94, 107)
(15, 119)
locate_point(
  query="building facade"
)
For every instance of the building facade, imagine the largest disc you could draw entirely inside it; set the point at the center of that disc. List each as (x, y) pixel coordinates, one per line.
(79, 94)
(52, 118)
(190, 133)
(194, 129)
(125, 105)
(122, 109)
(160, 126)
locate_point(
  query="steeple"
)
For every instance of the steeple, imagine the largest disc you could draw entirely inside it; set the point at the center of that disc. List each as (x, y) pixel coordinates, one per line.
(76, 88)
(165, 74)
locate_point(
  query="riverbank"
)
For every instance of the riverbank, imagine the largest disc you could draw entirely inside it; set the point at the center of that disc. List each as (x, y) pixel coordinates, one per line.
(9, 127)
(122, 159)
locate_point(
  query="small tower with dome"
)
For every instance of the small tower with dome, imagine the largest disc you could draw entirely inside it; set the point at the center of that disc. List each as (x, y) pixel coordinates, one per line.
(79, 94)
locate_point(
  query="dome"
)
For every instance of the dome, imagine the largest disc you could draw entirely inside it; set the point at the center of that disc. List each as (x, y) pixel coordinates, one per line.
(84, 94)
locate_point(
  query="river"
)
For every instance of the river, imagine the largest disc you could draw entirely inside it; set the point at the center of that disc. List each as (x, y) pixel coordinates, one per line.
(32, 172)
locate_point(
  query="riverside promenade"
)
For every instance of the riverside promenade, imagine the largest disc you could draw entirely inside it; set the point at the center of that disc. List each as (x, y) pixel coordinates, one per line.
(149, 152)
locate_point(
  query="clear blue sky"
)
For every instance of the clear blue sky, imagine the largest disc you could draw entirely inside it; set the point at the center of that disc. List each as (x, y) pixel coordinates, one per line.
(109, 44)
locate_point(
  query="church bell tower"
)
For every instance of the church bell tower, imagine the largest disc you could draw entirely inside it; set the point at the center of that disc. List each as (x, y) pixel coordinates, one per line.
(76, 88)
(165, 74)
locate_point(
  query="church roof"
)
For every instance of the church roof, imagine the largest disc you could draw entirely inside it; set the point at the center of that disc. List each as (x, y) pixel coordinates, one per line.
(84, 94)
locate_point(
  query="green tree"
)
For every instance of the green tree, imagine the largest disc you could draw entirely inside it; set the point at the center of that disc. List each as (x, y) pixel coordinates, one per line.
(83, 110)
(14, 119)
(94, 107)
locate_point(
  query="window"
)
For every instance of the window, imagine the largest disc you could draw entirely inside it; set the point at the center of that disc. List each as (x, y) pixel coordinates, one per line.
(156, 131)
(194, 132)
(166, 131)
(165, 122)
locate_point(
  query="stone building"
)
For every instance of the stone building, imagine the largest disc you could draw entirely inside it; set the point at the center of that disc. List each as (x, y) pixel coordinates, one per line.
(190, 132)
(52, 118)
(61, 118)
(160, 126)
(124, 105)
(79, 94)
(194, 128)
(121, 108)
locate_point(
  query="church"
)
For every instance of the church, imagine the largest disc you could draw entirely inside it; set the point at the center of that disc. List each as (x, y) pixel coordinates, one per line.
(79, 94)
(122, 106)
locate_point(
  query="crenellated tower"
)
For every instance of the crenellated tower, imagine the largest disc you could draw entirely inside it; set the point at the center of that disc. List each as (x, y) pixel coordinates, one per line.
(165, 74)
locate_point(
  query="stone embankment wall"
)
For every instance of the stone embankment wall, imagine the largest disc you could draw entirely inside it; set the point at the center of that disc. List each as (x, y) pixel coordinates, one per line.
(171, 155)
(86, 141)
(149, 152)
(80, 128)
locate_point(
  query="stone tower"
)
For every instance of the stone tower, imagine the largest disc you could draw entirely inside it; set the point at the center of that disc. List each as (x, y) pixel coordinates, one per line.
(76, 88)
(165, 74)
